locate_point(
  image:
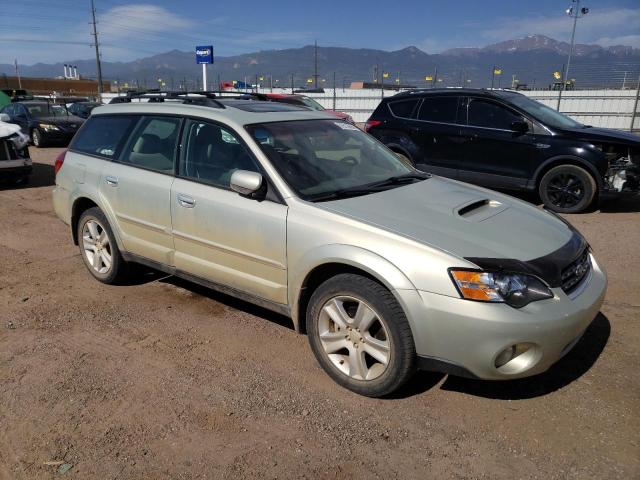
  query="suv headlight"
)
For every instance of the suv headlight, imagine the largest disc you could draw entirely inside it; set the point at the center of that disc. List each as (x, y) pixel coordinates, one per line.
(514, 289)
(47, 127)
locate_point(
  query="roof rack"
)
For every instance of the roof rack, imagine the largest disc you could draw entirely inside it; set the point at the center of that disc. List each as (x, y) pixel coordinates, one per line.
(209, 98)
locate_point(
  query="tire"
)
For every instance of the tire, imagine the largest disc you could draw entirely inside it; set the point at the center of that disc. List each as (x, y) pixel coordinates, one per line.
(95, 237)
(349, 317)
(36, 138)
(567, 189)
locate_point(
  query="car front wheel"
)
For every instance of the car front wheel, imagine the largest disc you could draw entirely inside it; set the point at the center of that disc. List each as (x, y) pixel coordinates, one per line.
(567, 189)
(360, 335)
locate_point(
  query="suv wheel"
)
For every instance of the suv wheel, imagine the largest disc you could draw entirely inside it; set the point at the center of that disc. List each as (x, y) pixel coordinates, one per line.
(98, 247)
(567, 189)
(360, 335)
(36, 138)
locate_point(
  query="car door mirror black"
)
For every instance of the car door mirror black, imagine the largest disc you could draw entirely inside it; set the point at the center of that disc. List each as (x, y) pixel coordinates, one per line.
(520, 126)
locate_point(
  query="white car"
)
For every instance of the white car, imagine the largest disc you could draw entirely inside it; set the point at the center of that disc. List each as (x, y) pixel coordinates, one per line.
(15, 163)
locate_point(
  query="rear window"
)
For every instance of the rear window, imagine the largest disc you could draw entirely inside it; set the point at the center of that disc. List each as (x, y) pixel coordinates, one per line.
(403, 108)
(439, 109)
(104, 135)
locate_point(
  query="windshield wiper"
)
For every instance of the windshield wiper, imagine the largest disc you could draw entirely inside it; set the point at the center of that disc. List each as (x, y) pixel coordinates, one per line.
(370, 187)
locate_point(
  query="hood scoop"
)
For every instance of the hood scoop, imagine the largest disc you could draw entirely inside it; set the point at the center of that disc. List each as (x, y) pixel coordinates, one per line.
(479, 210)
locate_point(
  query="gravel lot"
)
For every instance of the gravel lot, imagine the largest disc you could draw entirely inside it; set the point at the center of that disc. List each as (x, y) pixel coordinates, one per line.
(164, 379)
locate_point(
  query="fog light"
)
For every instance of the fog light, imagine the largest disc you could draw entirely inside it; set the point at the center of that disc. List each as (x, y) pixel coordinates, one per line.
(510, 353)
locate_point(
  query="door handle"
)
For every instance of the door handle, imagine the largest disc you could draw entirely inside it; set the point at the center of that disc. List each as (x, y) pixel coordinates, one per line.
(111, 180)
(186, 201)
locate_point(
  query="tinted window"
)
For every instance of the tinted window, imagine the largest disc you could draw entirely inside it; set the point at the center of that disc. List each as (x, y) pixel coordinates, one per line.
(153, 144)
(8, 110)
(439, 109)
(403, 108)
(484, 113)
(211, 154)
(103, 135)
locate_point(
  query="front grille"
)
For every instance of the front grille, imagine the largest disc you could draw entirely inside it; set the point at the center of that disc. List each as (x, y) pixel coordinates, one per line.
(575, 272)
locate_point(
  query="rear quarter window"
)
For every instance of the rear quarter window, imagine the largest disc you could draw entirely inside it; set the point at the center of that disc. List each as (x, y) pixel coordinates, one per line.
(403, 108)
(104, 135)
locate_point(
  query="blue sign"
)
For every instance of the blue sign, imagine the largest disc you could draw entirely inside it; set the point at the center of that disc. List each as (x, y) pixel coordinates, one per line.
(204, 54)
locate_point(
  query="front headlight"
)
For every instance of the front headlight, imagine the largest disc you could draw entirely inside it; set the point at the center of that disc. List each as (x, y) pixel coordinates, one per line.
(514, 289)
(48, 127)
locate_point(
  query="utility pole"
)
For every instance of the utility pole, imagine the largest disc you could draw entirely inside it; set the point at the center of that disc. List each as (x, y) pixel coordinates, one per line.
(435, 77)
(493, 75)
(97, 46)
(292, 83)
(315, 67)
(334, 91)
(576, 13)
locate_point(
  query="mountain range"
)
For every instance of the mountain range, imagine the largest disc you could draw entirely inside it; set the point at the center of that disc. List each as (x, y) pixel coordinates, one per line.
(531, 59)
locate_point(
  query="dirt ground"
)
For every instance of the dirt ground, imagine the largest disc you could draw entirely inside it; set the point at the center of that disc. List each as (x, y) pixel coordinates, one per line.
(164, 379)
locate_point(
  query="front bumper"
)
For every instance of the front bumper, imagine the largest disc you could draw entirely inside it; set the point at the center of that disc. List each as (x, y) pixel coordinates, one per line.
(464, 337)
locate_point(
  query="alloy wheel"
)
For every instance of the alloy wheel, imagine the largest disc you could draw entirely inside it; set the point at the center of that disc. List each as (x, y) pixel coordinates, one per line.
(354, 337)
(96, 245)
(565, 190)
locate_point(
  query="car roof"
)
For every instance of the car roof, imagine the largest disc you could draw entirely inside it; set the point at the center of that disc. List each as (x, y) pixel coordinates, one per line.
(486, 92)
(238, 112)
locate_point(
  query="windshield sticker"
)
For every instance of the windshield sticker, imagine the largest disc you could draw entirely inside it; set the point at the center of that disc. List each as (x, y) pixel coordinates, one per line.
(346, 126)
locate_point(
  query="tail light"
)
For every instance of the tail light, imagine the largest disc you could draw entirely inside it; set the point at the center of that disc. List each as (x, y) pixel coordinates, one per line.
(59, 161)
(370, 124)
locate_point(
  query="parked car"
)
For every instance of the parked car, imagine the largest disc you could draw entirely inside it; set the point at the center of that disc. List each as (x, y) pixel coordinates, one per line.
(503, 139)
(308, 102)
(45, 123)
(386, 268)
(82, 109)
(15, 163)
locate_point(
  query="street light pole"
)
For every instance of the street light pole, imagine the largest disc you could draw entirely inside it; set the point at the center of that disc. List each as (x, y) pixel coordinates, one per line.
(575, 12)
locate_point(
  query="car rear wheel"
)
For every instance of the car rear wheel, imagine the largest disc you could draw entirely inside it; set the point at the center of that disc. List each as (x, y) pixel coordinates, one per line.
(567, 189)
(36, 138)
(98, 247)
(360, 335)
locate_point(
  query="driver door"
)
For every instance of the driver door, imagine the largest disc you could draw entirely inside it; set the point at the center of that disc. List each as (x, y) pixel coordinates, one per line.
(220, 235)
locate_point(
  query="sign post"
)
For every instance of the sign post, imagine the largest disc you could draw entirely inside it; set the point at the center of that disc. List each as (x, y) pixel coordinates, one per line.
(204, 56)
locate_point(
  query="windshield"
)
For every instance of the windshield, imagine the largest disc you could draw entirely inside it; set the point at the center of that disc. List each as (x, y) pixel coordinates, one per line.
(46, 110)
(311, 103)
(319, 157)
(541, 112)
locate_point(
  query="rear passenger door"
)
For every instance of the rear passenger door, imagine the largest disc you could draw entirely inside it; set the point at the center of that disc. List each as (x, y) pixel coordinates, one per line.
(220, 235)
(137, 187)
(437, 133)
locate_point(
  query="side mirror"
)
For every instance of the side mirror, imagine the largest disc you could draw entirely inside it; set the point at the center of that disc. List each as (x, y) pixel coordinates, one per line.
(520, 126)
(4, 117)
(245, 182)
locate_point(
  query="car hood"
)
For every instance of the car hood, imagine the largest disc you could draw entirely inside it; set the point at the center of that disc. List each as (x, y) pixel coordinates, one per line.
(594, 134)
(458, 218)
(70, 120)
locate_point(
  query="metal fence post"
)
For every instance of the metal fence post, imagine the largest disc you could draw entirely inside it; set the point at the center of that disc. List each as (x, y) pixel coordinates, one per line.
(635, 106)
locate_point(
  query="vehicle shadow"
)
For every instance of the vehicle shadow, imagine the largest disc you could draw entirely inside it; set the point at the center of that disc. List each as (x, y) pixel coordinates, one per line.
(571, 367)
(230, 301)
(621, 205)
(41, 176)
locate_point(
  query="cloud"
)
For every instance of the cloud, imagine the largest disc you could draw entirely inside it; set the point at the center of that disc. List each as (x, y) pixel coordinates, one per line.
(127, 21)
(595, 26)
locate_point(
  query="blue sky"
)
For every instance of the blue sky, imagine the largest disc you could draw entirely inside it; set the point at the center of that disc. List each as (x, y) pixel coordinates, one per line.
(57, 30)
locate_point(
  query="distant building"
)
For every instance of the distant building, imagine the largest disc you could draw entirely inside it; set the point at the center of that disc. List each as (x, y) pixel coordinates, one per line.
(47, 86)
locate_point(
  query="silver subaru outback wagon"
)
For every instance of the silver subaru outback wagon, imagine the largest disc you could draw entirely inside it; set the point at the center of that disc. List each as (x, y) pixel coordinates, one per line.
(385, 268)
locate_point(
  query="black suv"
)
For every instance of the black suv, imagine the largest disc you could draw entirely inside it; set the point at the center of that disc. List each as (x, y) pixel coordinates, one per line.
(502, 139)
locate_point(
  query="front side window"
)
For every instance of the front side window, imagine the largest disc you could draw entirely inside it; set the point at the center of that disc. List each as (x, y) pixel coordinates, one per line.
(320, 157)
(485, 113)
(211, 154)
(439, 109)
(153, 144)
(541, 112)
(40, 110)
(103, 135)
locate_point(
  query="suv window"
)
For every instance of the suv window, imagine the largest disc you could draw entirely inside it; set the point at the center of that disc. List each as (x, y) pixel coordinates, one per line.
(102, 135)
(403, 108)
(485, 113)
(439, 109)
(8, 110)
(211, 154)
(153, 144)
